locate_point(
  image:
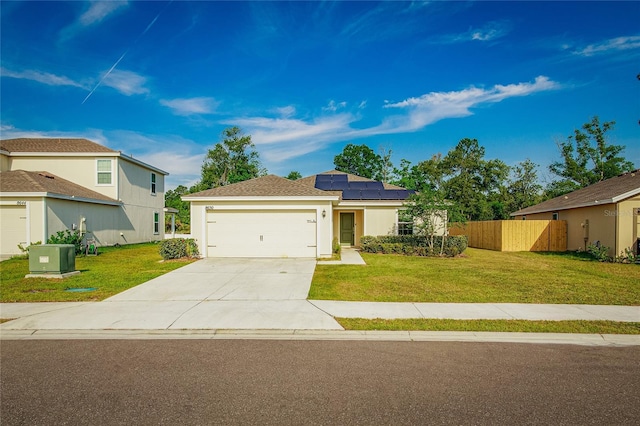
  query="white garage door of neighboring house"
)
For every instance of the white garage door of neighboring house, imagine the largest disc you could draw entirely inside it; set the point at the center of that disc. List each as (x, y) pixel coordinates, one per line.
(277, 233)
(13, 227)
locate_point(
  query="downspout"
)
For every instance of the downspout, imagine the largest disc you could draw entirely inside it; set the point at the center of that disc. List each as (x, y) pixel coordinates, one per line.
(45, 227)
(28, 211)
(616, 236)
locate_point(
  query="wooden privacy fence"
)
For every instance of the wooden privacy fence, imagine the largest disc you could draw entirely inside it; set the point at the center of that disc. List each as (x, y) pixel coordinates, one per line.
(515, 235)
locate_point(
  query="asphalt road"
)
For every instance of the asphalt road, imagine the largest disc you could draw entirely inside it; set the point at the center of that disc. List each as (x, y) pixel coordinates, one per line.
(183, 382)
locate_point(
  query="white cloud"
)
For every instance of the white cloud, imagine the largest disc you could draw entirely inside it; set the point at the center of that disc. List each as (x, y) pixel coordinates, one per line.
(98, 10)
(614, 44)
(190, 106)
(126, 82)
(435, 106)
(286, 112)
(362, 105)
(280, 139)
(333, 106)
(41, 77)
(490, 31)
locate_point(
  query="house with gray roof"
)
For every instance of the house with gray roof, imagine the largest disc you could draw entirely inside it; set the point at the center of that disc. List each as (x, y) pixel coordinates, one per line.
(54, 184)
(605, 213)
(271, 216)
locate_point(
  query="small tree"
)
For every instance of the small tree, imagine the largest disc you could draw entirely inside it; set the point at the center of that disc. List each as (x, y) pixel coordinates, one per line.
(431, 213)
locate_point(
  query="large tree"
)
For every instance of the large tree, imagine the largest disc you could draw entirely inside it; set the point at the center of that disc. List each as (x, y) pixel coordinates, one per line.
(427, 174)
(523, 189)
(172, 198)
(363, 161)
(473, 182)
(233, 159)
(587, 158)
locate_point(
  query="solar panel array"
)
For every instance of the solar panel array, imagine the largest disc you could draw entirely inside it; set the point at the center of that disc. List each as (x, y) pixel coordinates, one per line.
(359, 190)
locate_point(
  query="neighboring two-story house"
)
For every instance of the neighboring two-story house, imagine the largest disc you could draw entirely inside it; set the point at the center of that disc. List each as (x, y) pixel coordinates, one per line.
(50, 185)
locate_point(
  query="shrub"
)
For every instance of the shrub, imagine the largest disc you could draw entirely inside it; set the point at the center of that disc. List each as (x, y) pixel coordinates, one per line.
(598, 252)
(177, 248)
(413, 245)
(67, 237)
(336, 247)
(628, 256)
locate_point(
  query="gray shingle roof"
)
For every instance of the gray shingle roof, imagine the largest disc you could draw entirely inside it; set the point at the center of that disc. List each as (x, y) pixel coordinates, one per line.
(608, 191)
(265, 186)
(52, 145)
(21, 181)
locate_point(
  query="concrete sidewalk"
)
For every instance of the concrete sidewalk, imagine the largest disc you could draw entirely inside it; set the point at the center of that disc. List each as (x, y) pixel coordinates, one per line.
(470, 311)
(291, 314)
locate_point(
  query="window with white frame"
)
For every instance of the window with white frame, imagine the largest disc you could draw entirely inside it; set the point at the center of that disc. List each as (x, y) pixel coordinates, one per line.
(105, 172)
(156, 223)
(153, 184)
(555, 216)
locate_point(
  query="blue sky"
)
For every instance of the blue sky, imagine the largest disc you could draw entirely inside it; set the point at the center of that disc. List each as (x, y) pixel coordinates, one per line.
(161, 80)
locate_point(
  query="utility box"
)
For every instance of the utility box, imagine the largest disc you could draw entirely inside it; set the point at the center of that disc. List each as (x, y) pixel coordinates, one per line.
(52, 259)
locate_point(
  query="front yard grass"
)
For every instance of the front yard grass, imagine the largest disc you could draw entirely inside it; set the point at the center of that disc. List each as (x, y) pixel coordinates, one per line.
(114, 270)
(513, 326)
(481, 276)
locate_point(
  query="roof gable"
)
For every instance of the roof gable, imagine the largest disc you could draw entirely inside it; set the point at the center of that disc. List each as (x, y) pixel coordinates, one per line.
(607, 191)
(264, 186)
(52, 145)
(21, 181)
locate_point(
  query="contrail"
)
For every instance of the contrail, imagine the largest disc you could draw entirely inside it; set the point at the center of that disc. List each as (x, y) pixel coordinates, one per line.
(153, 21)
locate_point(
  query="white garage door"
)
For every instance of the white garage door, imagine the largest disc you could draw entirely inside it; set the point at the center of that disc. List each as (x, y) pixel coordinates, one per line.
(276, 233)
(13, 227)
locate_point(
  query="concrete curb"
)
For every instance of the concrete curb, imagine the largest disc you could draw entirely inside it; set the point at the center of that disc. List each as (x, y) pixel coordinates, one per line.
(323, 335)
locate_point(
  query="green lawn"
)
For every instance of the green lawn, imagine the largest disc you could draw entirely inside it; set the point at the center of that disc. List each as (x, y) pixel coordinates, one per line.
(513, 326)
(481, 276)
(113, 271)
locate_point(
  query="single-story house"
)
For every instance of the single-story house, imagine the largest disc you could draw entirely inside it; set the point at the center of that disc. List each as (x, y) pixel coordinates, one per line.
(605, 213)
(271, 216)
(51, 184)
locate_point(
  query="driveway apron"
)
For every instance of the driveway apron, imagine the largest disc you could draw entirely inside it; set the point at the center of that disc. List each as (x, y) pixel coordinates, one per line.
(233, 293)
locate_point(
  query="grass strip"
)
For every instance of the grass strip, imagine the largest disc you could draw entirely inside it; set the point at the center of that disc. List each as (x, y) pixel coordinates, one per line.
(481, 276)
(114, 270)
(423, 324)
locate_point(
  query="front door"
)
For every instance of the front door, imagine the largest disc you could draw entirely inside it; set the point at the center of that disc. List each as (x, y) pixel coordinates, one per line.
(346, 228)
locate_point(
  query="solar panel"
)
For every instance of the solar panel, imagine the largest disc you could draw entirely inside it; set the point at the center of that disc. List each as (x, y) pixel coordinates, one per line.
(388, 194)
(339, 178)
(325, 186)
(375, 185)
(323, 178)
(351, 194)
(371, 194)
(357, 185)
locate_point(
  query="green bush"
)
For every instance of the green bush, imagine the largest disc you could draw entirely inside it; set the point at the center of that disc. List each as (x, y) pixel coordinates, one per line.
(413, 245)
(177, 248)
(598, 252)
(337, 248)
(67, 237)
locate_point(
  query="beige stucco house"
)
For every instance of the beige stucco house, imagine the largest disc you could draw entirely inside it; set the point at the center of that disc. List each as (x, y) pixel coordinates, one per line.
(607, 212)
(275, 217)
(49, 185)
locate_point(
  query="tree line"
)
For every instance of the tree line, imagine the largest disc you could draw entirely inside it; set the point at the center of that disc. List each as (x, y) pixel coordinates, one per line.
(479, 188)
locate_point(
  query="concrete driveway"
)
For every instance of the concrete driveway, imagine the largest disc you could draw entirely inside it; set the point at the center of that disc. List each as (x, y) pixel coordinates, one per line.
(207, 294)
